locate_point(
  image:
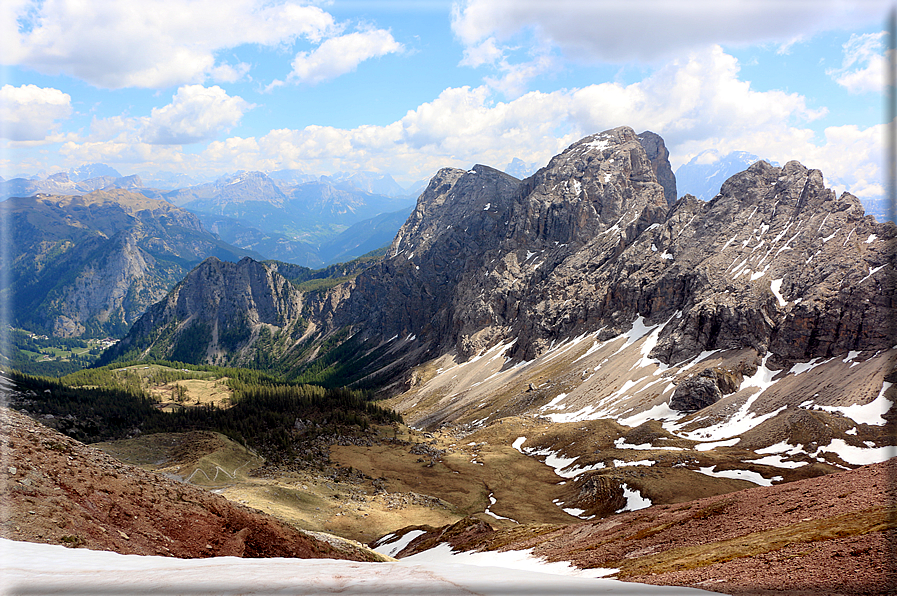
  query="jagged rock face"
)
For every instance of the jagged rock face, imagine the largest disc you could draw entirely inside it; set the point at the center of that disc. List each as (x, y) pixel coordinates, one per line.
(660, 163)
(459, 221)
(776, 262)
(216, 314)
(461, 271)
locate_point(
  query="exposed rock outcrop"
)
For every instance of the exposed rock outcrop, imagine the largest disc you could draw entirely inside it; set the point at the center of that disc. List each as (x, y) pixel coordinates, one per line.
(660, 162)
(704, 389)
(776, 262)
(217, 314)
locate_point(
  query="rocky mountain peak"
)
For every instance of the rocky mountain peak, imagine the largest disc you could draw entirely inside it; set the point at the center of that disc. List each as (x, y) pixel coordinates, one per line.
(248, 186)
(216, 313)
(599, 182)
(660, 161)
(458, 203)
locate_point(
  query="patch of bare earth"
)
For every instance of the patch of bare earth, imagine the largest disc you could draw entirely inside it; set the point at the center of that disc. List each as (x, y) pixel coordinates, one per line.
(835, 534)
(56, 490)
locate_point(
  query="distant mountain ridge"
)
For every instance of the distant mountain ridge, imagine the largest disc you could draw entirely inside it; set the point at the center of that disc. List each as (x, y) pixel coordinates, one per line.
(308, 213)
(288, 215)
(90, 265)
(62, 184)
(705, 173)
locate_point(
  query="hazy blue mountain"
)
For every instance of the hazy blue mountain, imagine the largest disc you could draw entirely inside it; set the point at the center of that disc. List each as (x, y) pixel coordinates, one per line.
(372, 182)
(363, 237)
(272, 245)
(703, 176)
(89, 265)
(61, 183)
(520, 169)
(92, 170)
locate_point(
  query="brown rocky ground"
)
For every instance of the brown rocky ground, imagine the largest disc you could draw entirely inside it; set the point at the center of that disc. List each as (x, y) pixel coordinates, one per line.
(56, 490)
(834, 534)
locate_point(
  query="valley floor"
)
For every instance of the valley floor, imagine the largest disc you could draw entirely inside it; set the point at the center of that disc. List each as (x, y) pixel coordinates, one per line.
(440, 500)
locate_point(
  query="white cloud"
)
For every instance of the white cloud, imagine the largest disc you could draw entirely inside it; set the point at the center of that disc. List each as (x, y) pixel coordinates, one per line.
(195, 114)
(151, 43)
(31, 113)
(340, 55)
(481, 53)
(135, 154)
(854, 158)
(863, 67)
(696, 103)
(649, 30)
(225, 73)
(695, 99)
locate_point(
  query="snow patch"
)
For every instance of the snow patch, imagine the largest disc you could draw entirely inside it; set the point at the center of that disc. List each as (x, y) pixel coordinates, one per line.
(739, 475)
(871, 413)
(634, 500)
(713, 445)
(659, 412)
(521, 560)
(392, 547)
(776, 287)
(802, 367)
(872, 271)
(57, 569)
(776, 461)
(857, 456)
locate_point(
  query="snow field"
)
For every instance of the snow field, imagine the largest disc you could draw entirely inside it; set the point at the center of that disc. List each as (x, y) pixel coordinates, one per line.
(52, 569)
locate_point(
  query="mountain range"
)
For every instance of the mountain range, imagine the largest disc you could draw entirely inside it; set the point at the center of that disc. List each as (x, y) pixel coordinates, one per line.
(592, 258)
(287, 215)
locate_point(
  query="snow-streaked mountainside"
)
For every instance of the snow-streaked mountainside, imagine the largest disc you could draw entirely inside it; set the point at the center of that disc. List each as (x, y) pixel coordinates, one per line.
(705, 173)
(761, 318)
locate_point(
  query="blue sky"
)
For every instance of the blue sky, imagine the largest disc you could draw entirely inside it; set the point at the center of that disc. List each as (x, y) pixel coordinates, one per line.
(208, 87)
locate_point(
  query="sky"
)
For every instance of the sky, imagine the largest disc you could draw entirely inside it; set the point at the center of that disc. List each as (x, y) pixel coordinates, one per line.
(210, 87)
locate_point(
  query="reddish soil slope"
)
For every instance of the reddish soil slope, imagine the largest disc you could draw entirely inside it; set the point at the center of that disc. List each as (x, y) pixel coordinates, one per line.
(56, 490)
(835, 534)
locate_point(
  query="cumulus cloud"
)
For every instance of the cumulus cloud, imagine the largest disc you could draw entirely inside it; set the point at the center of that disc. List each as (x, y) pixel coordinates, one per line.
(31, 113)
(863, 67)
(151, 43)
(196, 113)
(613, 31)
(342, 54)
(696, 103)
